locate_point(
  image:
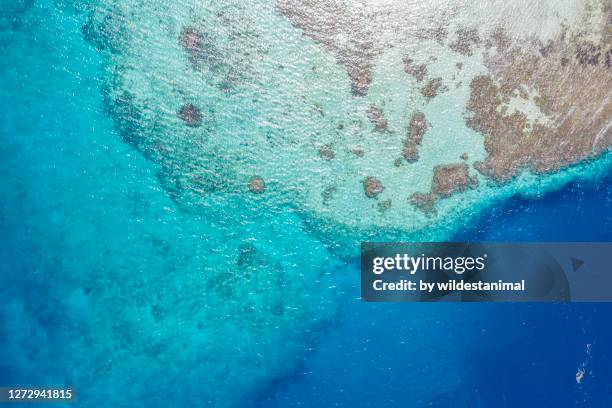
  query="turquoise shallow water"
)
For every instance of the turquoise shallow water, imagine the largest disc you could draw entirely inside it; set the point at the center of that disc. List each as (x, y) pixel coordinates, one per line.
(133, 298)
(102, 260)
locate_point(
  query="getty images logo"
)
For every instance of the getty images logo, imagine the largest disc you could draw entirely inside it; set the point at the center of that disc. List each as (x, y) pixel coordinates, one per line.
(413, 264)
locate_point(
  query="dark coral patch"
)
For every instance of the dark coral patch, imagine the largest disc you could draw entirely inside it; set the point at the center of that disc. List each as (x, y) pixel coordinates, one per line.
(191, 115)
(418, 71)
(192, 40)
(375, 115)
(372, 186)
(418, 127)
(257, 185)
(588, 54)
(451, 178)
(431, 89)
(327, 152)
(467, 40)
(447, 180)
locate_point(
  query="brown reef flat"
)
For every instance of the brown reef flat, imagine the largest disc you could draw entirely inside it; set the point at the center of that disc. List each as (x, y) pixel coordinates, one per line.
(568, 84)
(447, 180)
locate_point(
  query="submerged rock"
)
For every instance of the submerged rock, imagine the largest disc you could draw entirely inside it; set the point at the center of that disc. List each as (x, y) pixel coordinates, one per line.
(384, 205)
(328, 193)
(105, 31)
(358, 151)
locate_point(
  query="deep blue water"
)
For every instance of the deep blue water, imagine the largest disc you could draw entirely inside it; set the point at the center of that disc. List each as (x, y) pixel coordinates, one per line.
(475, 355)
(77, 202)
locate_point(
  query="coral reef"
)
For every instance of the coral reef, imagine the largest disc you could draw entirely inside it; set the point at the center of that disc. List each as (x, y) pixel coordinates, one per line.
(257, 184)
(418, 127)
(372, 187)
(542, 108)
(191, 115)
(375, 115)
(418, 71)
(447, 180)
